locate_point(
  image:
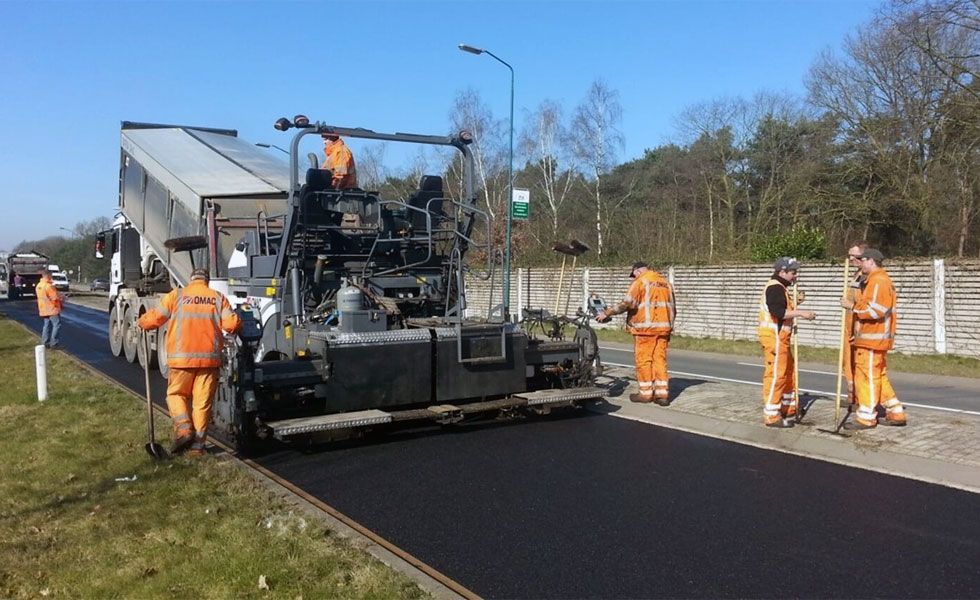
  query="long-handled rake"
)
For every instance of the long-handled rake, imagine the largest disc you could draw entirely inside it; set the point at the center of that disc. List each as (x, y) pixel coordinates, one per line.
(154, 449)
(574, 249)
(838, 422)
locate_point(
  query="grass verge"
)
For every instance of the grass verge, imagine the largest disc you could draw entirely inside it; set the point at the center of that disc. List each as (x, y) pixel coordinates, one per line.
(929, 364)
(85, 513)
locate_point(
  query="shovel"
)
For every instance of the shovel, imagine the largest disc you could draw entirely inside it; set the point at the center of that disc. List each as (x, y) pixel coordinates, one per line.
(154, 449)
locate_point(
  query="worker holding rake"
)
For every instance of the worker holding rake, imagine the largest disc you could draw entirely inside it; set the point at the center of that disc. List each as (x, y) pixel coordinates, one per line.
(777, 315)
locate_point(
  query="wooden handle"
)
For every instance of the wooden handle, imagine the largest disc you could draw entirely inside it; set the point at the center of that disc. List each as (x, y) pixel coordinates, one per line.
(843, 341)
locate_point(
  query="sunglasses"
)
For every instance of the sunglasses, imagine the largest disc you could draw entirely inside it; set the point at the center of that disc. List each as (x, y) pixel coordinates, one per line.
(853, 257)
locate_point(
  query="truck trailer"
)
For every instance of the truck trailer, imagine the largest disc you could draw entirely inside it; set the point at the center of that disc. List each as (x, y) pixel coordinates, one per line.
(24, 271)
(353, 304)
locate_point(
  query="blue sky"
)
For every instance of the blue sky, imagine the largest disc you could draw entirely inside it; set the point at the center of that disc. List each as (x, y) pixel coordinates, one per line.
(70, 72)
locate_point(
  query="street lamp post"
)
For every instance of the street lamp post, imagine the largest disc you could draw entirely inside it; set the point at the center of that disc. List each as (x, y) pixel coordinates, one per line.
(510, 174)
(73, 234)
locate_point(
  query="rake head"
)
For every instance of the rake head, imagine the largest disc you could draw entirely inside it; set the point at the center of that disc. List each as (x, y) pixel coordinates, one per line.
(578, 247)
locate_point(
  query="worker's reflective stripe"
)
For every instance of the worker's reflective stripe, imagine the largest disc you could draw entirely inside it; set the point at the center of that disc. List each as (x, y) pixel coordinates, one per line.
(200, 434)
(868, 413)
(629, 300)
(227, 313)
(163, 311)
(181, 417)
(194, 355)
(659, 382)
(178, 322)
(209, 316)
(182, 426)
(894, 407)
(874, 336)
(772, 403)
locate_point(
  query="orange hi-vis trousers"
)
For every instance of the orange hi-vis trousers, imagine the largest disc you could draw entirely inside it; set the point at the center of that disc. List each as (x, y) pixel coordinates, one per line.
(873, 388)
(650, 355)
(778, 384)
(189, 396)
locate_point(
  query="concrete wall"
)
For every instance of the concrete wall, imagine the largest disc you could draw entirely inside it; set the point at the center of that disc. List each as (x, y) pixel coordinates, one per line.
(938, 301)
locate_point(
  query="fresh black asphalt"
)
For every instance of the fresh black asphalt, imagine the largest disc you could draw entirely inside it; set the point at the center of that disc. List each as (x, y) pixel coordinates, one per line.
(583, 505)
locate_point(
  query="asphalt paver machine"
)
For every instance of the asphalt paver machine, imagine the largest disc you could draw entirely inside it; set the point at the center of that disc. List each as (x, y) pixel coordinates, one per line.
(353, 304)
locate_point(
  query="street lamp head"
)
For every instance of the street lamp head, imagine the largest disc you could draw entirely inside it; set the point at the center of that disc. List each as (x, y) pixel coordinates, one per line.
(471, 49)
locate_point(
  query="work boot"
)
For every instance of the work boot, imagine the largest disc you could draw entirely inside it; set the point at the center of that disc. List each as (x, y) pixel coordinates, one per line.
(182, 443)
(641, 398)
(891, 423)
(661, 401)
(856, 425)
(780, 424)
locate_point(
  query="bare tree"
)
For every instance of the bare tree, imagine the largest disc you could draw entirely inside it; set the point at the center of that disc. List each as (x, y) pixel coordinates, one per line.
(595, 140)
(544, 144)
(718, 131)
(371, 169)
(471, 113)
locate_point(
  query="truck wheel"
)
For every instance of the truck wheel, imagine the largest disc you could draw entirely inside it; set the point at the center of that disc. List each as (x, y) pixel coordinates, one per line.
(131, 334)
(162, 352)
(144, 360)
(115, 332)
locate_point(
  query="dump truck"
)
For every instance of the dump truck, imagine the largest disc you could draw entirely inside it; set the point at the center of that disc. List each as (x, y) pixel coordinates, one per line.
(24, 271)
(353, 304)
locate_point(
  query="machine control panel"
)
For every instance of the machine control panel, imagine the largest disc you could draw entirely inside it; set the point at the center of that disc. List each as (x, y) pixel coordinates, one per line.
(251, 330)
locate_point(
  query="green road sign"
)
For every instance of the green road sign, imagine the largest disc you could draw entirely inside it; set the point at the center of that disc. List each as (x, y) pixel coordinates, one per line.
(521, 204)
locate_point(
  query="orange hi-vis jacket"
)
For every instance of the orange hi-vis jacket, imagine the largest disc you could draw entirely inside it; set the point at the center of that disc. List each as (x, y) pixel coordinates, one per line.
(769, 327)
(875, 313)
(651, 305)
(340, 161)
(197, 314)
(48, 299)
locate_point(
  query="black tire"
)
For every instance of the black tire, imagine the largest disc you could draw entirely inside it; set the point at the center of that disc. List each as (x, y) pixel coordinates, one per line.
(162, 352)
(141, 350)
(115, 332)
(131, 338)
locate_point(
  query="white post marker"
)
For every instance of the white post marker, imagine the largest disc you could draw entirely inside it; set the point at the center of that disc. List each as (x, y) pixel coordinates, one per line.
(42, 373)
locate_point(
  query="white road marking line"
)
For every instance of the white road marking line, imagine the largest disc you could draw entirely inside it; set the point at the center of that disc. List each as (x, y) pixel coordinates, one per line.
(800, 370)
(820, 392)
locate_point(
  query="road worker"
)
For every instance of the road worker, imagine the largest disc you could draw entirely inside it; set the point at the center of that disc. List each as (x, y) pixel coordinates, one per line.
(49, 303)
(339, 160)
(777, 313)
(650, 308)
(855, 285)
(874, 336)
(197, 315)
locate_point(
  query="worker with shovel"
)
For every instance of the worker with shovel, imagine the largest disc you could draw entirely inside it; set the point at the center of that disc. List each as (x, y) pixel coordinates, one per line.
(650, 309)
(874, 336)
(197, 315)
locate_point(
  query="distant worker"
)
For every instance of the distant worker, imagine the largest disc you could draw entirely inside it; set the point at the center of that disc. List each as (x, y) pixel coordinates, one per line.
(49, 303)
(195, 344)
(339, 160)
(854, 290)
(18, 281)
(777, 313)
(874, 336)
(650, 308)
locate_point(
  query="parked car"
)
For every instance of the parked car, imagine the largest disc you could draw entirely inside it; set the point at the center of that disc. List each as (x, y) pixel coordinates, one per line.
(60, 281)
(99, 284)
